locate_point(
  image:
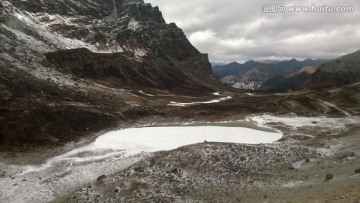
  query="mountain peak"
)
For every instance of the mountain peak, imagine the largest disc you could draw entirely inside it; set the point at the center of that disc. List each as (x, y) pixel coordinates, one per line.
(250, 62)
(234, 63)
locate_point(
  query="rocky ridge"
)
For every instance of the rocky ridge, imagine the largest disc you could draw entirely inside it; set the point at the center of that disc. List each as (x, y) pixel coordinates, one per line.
(340, 71)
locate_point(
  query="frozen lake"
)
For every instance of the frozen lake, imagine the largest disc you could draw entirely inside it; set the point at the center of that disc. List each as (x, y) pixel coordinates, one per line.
(150, 139)
(113, 152)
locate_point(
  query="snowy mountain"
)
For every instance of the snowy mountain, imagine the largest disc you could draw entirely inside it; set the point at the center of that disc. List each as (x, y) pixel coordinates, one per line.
(133, 30)
(74, 67)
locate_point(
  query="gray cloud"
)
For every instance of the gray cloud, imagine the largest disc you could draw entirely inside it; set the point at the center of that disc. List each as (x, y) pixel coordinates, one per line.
(237, 30)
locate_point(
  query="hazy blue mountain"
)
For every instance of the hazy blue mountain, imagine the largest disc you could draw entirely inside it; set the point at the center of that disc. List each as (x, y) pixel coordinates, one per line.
(256, 73)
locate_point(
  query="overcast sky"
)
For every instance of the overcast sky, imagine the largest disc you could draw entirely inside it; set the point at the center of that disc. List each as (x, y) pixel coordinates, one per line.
(238, 30)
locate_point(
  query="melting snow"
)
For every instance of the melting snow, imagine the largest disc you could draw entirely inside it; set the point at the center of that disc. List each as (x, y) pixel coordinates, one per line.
(195, 103)
(297, 122)
(133, 25)
(59, 40)
(146, 94)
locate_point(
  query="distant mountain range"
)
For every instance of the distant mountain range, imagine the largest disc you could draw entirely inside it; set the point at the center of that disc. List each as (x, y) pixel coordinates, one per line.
(252, 75)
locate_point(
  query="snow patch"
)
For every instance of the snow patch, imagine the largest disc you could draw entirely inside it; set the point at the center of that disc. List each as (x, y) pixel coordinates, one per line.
(133, 25)
(195, 103)
(6, 3)
(329, 151)
(140, 52)
(146, 94)
(298, 122)
(61, 42)
(293, 184)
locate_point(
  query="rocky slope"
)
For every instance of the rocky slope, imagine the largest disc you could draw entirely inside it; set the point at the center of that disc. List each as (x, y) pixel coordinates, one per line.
(340, 71)
(291, 81)
(72, 68)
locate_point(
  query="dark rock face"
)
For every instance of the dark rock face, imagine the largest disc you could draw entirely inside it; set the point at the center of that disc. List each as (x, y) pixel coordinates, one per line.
(96, 8)
(145, 12)
(123, 70)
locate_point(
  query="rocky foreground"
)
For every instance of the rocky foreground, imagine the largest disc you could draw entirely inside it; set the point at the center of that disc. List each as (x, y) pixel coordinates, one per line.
(317, 160)
(320, 168)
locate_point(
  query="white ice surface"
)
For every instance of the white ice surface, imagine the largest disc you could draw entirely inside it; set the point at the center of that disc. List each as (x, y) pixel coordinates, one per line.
(150, 139)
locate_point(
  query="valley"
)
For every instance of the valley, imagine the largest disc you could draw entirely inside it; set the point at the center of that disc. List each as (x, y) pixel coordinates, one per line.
(103, 101)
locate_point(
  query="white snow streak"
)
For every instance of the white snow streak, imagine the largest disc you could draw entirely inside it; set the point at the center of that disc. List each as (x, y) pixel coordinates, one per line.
(195, 103)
